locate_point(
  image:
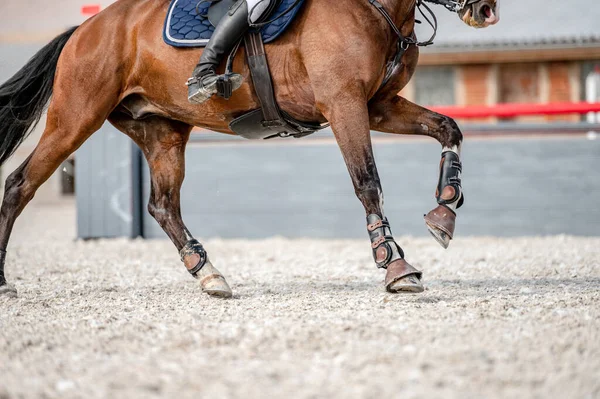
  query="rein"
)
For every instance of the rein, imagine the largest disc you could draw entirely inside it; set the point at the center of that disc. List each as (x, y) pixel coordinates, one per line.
(420, 5)
(405, 42)
(451, 5)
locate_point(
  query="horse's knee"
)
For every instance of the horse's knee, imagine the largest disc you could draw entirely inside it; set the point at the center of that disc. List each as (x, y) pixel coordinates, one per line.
(450, 134)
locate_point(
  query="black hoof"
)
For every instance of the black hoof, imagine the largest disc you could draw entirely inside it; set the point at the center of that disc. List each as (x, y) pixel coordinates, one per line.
(8, 291)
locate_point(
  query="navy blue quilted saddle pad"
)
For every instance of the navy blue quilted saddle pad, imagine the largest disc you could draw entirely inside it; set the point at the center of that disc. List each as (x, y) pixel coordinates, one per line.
(187, 27)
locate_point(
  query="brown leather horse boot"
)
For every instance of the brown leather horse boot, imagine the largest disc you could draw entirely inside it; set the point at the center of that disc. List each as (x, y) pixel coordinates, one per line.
(400, 276)
(442, 220)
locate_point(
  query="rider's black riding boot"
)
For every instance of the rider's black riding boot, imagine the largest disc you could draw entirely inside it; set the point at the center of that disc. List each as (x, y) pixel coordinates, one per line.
(203, 83)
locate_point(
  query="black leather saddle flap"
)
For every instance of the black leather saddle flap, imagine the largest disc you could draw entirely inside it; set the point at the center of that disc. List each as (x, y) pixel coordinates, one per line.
(218, 9)
(251, 126)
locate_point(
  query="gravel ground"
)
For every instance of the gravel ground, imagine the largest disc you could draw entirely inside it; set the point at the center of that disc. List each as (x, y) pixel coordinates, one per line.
(119, 318)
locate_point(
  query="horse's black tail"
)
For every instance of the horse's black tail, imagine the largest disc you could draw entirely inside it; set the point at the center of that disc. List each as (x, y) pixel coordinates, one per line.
(23, 97)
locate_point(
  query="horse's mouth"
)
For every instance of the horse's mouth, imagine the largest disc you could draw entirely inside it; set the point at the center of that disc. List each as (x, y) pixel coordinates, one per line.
(482, 14)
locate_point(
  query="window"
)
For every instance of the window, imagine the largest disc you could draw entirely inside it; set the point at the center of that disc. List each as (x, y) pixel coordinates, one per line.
(519, 83)
(435, 85)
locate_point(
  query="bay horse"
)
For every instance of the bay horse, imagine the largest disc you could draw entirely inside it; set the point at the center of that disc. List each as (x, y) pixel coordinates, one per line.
(327, 67)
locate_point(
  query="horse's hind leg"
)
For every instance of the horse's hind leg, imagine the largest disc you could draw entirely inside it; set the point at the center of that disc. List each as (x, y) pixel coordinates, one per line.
(397, 115)
(85, 83)
(163, 142)
(65, 131)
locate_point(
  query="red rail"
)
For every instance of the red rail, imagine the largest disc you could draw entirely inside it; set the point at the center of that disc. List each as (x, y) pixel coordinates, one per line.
(90, 9)
(514, 110)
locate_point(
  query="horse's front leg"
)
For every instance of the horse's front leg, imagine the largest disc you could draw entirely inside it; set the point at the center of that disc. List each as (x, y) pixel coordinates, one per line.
(350, 123)
(400, 116)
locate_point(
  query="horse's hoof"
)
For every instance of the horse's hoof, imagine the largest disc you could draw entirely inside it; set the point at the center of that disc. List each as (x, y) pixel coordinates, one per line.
(440, 223)
(409, 284)
(8, 291)
(440, 236)
(402, 277)
(216, 286)
(213, 282)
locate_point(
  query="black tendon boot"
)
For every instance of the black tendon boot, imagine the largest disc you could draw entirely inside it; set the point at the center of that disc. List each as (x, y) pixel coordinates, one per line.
(203, 83)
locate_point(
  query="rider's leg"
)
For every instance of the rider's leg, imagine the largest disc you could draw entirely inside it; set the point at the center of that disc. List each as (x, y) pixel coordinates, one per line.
(230, 29)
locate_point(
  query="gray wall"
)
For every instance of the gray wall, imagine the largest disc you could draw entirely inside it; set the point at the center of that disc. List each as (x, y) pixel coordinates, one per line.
(301, 188)
(14, 56)
(105, 182)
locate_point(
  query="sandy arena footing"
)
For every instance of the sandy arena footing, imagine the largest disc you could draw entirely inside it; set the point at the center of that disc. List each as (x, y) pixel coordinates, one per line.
(309, 318)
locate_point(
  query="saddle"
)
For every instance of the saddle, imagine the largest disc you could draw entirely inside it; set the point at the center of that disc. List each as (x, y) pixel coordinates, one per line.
(190, 24)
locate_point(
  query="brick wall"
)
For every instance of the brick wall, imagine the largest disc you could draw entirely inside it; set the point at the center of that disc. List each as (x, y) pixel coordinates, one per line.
(561, 84)
(489, 84)
(476, 87)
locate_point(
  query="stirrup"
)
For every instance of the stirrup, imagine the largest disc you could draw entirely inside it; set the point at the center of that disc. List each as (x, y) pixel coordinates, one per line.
(225, 86)
(222, 85)
(197, 93)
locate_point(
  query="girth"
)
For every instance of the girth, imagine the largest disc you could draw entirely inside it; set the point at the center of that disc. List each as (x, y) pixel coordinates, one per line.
(269, 121)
